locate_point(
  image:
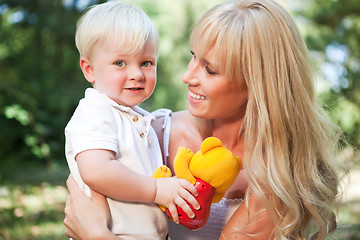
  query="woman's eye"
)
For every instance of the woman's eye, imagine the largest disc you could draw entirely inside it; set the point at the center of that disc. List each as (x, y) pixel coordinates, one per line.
(120, 63)
(192, 53)
(146, 64)
(208, 69)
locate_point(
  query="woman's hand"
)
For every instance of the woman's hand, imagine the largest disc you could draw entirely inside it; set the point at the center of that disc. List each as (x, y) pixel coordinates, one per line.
(86, 217)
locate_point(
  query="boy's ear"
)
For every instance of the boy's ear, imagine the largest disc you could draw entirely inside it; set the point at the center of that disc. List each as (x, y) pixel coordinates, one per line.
(87, 69)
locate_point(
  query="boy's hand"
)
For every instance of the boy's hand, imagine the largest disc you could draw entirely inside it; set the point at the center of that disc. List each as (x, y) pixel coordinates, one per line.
(174, 191)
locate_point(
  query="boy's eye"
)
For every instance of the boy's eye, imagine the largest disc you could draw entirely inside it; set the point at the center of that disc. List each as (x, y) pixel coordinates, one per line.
(146, 64)
(120, 63)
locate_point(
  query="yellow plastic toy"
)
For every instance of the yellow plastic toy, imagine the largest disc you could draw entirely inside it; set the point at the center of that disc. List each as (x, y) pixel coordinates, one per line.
(214, 164)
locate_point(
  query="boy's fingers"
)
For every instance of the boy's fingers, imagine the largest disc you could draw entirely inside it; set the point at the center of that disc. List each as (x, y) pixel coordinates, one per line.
(185, 207)
(190, 199)
(174, 213)
(188, 194)
(188, 186)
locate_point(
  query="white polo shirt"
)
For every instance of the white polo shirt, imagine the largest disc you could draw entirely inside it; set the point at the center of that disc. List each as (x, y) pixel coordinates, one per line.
(100, 123)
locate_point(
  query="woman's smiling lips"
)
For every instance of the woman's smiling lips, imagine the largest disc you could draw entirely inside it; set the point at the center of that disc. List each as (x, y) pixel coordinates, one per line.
(196, 96)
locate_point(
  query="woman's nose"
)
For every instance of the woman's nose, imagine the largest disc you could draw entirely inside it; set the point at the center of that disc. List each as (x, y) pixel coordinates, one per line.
(190, 76)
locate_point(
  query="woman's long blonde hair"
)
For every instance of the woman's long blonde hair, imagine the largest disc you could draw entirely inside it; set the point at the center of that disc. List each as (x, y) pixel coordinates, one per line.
(289, 143)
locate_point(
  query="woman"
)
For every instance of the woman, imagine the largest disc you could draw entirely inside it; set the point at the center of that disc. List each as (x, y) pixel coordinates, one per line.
(250, 84)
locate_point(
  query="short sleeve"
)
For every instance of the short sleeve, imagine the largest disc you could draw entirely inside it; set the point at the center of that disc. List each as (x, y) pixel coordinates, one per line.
(92, 126)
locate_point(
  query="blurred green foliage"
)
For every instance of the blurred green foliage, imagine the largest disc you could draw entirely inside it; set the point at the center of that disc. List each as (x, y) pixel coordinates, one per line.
(41, 82)
(332, 30)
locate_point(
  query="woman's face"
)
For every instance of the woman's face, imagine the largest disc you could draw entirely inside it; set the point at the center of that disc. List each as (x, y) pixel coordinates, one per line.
(211, 95)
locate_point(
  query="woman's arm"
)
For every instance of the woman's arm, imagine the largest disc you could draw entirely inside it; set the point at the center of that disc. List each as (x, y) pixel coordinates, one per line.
(252, 223)
(86, 217)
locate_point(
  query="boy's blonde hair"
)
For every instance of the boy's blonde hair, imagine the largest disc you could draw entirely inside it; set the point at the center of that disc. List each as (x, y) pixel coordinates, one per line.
(290, 145)
(128, 25)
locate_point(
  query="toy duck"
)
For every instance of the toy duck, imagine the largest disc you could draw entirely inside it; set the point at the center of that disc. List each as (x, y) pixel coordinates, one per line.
(212, 170)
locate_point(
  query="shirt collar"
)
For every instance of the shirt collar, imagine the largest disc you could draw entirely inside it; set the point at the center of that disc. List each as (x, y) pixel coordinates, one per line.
(140, 118)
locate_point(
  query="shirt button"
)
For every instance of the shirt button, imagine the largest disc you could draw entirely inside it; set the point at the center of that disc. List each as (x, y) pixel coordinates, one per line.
(142, 135)
(135, 119)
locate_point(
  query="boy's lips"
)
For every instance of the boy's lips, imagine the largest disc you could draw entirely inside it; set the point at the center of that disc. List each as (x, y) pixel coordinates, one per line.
(135, 88)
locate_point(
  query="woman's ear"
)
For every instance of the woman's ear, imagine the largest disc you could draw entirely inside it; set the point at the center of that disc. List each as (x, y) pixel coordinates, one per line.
(87, 69)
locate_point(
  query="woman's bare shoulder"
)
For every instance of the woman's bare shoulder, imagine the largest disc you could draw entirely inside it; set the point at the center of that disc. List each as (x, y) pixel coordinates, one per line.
(184, 131)
(182, 125)
(180, 114)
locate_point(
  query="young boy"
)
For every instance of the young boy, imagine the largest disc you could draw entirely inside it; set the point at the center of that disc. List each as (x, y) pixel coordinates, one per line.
(111, 147)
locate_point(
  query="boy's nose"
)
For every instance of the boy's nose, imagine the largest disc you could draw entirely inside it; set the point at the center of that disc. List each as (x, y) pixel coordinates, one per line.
(136, 74)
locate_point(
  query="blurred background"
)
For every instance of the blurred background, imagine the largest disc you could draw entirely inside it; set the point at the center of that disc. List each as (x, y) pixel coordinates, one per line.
(41, 84)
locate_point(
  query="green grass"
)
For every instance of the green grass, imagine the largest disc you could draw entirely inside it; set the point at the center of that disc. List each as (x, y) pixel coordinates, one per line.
(32, 206)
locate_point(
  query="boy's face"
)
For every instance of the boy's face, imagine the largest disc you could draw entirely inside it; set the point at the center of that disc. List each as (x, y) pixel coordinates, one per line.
(127, 79)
